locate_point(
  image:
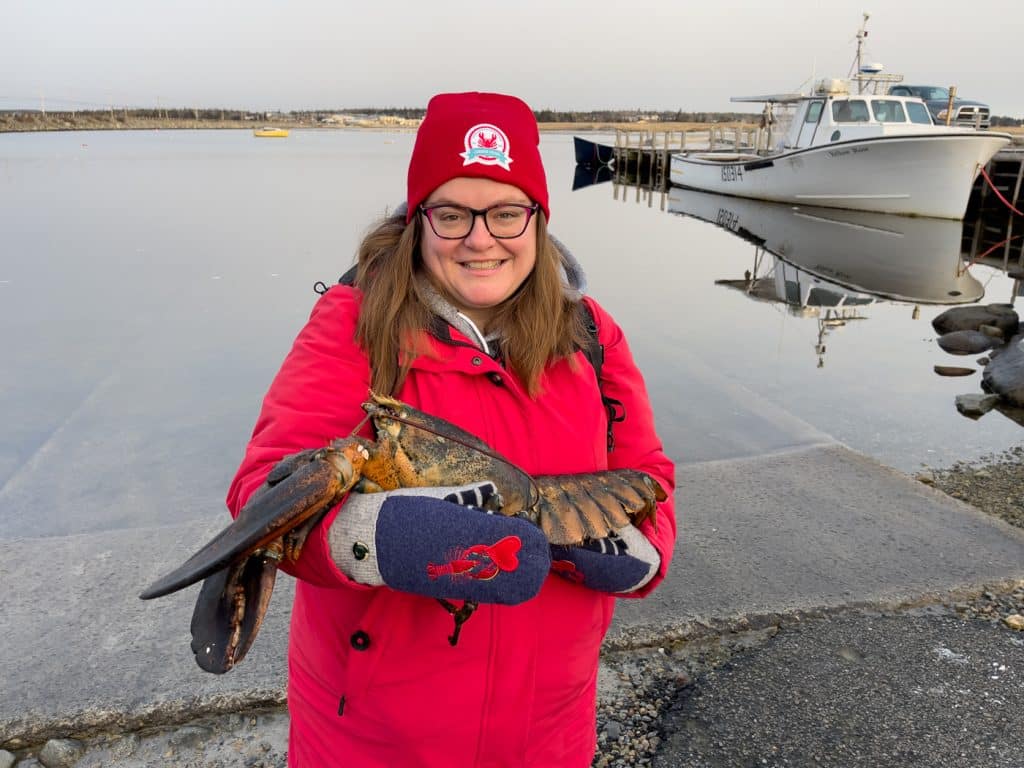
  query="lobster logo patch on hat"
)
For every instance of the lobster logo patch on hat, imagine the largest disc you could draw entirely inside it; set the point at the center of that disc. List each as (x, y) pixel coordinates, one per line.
(488, 145)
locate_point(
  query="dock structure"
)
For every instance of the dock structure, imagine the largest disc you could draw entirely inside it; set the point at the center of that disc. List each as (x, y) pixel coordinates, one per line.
(992, 233)
(643, 156)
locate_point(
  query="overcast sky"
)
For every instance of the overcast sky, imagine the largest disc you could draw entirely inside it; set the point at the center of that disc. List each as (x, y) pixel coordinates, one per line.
(575, 55)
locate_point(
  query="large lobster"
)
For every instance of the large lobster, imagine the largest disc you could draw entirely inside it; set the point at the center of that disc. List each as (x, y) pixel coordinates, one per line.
(412, 449)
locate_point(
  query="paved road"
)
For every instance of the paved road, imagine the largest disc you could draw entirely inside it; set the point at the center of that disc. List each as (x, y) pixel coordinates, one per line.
(859, 691)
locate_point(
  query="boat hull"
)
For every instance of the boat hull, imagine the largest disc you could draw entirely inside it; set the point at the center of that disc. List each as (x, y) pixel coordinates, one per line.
(913, 175)
(270, 133)
(591, 154)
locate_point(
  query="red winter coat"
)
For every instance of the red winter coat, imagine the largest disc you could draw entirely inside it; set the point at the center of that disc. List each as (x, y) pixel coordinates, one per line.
(373, 681)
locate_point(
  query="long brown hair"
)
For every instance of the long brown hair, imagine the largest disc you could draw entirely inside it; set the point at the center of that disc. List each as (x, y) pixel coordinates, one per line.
(537, 325)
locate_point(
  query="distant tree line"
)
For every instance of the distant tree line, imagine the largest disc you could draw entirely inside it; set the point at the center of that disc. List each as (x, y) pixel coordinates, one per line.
(409, 113)
(177, 113)
(593, 116)
(1000, 121)
(633, 115)
(184, 113)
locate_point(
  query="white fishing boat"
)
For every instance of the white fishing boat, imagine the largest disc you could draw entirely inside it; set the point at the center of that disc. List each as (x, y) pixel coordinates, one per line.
(847, 146)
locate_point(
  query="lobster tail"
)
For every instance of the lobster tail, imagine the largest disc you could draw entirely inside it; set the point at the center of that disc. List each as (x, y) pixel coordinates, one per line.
(581, 507)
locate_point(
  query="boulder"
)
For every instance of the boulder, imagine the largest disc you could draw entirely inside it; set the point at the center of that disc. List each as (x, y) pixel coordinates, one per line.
(1012, 412)
(972, 317)
(1004, 375)
(953, 370)
(967, 342)
(976, 406)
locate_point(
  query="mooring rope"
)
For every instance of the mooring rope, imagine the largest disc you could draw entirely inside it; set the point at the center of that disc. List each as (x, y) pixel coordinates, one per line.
(972, 262)
(999, 194)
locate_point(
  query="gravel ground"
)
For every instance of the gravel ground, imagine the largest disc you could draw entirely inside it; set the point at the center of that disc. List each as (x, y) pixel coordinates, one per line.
(994, 485)
(636, 687)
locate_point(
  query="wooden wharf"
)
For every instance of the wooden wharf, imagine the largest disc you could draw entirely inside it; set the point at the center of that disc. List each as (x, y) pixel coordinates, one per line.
(644, 156)
(992, 233)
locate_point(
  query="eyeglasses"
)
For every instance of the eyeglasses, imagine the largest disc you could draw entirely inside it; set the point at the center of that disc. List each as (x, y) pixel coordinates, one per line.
(454, 222)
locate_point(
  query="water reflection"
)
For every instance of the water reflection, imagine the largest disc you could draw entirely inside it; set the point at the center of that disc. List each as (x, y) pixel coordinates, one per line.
(150, 287)
(830, 264)
(824, 257)
(720, 361)
(587, 176)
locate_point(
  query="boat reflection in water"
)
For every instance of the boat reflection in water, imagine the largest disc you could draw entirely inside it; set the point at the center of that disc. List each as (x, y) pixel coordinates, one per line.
(588, 175)
(830, 263)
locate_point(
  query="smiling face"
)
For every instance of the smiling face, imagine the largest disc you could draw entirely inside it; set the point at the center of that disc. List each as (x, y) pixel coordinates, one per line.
(480, 271)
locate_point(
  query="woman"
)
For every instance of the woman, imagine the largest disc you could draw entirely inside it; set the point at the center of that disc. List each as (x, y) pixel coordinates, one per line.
(465, 308)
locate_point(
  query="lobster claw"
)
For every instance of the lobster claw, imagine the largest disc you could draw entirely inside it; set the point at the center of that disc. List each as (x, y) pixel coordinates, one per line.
(229, 612)
(239, 565)
(299, 487)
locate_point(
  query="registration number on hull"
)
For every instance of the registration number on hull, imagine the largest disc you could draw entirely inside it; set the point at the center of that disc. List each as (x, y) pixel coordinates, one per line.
(732, 173)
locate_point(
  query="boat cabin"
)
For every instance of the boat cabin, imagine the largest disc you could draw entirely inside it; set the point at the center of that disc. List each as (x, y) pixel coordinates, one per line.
(831, 113)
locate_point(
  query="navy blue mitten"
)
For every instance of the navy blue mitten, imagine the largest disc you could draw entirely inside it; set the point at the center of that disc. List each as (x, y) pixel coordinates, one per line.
(620, 563)
(436, 542)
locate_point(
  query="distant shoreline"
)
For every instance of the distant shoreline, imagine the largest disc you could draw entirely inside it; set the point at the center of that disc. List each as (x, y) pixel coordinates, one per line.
(114, 121)
(92, 123)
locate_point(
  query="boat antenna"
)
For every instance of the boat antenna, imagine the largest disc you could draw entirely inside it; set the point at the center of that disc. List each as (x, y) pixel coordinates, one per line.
(862, 33)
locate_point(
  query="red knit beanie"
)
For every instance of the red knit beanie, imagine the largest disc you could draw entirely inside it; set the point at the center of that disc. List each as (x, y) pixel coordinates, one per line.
(483, 135)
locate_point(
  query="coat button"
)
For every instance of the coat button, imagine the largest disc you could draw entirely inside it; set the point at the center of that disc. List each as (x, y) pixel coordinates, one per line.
(495, 378)
(477, 361)
(360, 640)
(360, 550)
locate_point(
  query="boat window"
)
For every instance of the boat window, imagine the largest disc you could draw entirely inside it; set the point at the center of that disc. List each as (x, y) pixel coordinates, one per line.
(888, 111)
(814, 111)
(850, 111)
(918, 113)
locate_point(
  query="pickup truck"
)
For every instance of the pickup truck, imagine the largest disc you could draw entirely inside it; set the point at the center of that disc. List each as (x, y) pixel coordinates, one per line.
(966, 113)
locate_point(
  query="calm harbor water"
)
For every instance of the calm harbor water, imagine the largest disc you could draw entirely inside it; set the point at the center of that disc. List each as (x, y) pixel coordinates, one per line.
(151, 283)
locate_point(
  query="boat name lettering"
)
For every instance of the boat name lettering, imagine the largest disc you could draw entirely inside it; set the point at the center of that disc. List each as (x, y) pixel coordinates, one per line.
(727, 219)
(732, 173)
(848, 151)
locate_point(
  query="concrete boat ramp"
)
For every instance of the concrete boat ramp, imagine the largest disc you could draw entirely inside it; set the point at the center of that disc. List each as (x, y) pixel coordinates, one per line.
(808, 527)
